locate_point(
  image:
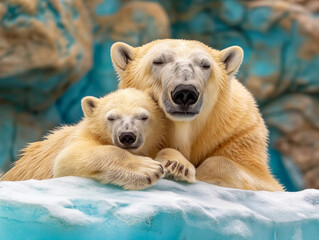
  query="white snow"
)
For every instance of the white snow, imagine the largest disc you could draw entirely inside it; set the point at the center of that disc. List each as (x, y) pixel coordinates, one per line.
(79, 208)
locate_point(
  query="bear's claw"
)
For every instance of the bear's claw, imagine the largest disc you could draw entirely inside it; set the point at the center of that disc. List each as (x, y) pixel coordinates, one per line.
(176, 165)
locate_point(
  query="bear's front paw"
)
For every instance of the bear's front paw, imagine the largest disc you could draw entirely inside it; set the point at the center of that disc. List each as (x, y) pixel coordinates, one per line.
(176, 165)
(145, 173)
(180, 172)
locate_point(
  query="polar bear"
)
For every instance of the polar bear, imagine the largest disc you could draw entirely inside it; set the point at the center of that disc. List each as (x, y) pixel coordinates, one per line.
(110, 144)
(214, 122)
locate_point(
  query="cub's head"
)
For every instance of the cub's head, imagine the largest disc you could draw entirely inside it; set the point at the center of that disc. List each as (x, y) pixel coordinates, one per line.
(127, 118)
(183, 76)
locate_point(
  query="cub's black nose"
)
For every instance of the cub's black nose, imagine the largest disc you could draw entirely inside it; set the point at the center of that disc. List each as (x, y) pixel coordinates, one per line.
(184, 95)
(127, 138)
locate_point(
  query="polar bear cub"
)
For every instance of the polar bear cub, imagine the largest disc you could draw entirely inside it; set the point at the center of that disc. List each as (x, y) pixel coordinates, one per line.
(109, 144)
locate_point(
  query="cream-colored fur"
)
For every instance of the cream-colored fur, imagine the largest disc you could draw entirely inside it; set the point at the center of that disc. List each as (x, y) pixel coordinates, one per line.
(88, 148)
(223, 134)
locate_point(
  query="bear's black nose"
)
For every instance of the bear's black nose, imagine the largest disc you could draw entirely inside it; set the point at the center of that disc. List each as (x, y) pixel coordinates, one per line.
(184, 95)
(127, 138)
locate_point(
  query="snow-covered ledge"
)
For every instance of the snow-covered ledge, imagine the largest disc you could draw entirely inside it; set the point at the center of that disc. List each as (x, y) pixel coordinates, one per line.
(78, 208)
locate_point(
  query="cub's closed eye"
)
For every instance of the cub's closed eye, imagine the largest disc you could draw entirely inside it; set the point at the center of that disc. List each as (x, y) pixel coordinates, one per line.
(111, 118)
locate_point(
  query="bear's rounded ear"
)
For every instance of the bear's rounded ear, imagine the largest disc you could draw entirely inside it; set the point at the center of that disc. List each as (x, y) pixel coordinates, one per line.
(121, 54)
(232, 57)
(88, 105)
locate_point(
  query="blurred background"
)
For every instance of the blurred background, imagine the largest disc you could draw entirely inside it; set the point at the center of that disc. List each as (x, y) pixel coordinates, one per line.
(54, 52)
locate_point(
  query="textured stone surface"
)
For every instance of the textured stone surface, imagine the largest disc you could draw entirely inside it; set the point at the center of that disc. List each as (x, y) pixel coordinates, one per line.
(45, 46)
(18, 128)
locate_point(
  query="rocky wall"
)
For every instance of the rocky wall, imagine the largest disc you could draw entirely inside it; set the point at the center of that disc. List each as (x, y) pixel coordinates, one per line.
(52, 53)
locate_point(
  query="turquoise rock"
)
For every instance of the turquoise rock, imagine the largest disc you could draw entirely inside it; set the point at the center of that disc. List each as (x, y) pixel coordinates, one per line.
(43, 51)
(7, 129)
(19, 127)
(67, 57)
(232, 12)
(259, 18)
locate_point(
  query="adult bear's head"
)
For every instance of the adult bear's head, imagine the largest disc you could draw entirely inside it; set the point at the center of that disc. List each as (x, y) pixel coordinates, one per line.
(181, 75)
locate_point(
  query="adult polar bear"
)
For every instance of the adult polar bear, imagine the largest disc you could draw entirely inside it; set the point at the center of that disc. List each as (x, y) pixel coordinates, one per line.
(214, 123)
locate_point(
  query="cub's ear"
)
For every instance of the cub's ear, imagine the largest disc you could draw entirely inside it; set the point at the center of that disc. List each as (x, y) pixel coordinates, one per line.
(232, 57)
(88, 105)
(122, 54)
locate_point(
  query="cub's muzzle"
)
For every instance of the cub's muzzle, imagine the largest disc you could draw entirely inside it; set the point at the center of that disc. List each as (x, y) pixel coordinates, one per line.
(127, 139)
